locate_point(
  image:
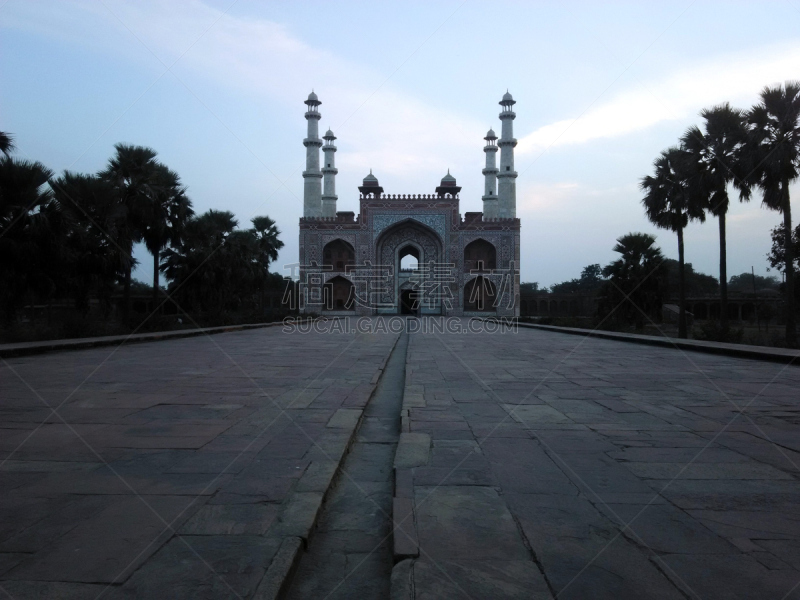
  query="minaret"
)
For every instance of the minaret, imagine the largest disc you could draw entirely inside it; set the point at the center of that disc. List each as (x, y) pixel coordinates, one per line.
(490, 173)
(506, 178)
(312, 191)
(329, 172)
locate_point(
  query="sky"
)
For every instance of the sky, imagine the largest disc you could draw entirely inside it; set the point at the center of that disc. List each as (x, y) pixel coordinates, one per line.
(409, 89)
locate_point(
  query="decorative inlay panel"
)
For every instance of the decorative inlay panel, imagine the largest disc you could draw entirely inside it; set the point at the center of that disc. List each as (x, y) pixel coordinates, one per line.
(381, 221)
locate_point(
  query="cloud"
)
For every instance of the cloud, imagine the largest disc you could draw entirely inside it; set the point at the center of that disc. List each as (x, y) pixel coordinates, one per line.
(734, 77)
(407, 139)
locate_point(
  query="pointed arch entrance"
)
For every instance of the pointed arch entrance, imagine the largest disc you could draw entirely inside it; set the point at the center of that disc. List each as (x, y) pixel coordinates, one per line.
(405, 287)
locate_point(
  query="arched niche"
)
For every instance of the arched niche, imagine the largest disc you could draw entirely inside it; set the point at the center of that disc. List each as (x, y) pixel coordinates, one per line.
(480, 295)
(480, 255)
(338, 255)
(338, 294)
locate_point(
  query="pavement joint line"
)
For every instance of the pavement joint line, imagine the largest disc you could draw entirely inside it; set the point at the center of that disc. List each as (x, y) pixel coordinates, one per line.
(277, 578)
(41, 347)
(34, 348)
(763, 353)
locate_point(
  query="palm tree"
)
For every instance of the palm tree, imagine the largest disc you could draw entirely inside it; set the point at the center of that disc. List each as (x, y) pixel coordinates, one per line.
(716, 159)
(634, 280)
(200, 267)
(164, 217)
(27, 232)
(7, 143)
(96, 258)
(671, 201)
(774, 153)
(132, 171)
(268, 242)
(267, 234)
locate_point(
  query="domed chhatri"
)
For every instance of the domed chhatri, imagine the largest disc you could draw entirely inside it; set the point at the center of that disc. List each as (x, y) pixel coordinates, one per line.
(490, 135)
(507, 100)
(370, 186)
(313, 100)
(371, 179)
(448, 187)
(329, 135)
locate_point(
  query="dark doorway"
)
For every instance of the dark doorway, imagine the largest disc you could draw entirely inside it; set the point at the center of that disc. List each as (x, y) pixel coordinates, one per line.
(408, 302)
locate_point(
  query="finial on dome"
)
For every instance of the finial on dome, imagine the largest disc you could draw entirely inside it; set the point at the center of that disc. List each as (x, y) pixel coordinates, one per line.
(370, 179)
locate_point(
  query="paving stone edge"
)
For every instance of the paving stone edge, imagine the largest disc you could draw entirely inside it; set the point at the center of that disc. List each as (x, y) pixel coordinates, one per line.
(406, 548)
(780, 355)
(402, 583)
(275, 582)
(32, 348)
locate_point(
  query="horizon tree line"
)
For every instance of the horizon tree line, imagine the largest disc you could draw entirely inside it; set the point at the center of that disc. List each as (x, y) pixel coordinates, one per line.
(73, 236)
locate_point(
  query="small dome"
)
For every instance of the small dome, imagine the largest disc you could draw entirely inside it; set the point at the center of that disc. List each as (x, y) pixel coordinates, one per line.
(506, 96)
(448, 179)
(490, 135)
(370, 179)
(313, 97)
(329, 134)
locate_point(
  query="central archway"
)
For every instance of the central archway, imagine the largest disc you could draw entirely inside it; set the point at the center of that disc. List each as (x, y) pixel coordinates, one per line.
(409, 238)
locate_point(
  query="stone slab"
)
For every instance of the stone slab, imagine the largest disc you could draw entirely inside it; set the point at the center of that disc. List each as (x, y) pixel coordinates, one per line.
(412, 450)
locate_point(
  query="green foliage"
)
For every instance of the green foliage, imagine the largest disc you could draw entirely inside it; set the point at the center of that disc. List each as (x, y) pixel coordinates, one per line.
(94, 260)
(716, 157)
(634, 291)
(530, 287)
(218, 267)
(744, 283)
(6, 143)
(697, 284)
(72, 236)
(777, 254)
(774, 161)
(31, 226)
(712, 331)
(672, 199)
(590, 280)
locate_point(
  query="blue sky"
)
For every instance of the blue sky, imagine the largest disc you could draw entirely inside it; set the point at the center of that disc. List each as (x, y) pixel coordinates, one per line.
(410, 90)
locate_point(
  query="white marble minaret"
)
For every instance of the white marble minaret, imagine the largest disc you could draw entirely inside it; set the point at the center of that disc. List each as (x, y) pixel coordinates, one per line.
(312, 188)
(506, 178)
(329, 172)
(490, 174)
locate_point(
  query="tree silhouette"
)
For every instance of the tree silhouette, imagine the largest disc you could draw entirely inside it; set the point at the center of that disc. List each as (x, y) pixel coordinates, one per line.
(634, 279)
(716, 159)
(132, 171)
(672, 199)
(163, 217)
(774, 155)
(28, 221)
(92, 246)
(7, 143)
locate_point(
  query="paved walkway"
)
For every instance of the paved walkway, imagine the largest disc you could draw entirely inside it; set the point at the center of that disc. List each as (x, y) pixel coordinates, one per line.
(600, 469)
(529, 465)
(172, 469)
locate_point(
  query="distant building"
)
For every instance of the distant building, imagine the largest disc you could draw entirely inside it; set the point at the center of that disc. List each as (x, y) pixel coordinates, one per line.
(465, 265)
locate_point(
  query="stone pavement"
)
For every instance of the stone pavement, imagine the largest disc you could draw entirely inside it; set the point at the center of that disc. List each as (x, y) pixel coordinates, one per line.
(529, 465)
(180, 469)
(543, 465)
